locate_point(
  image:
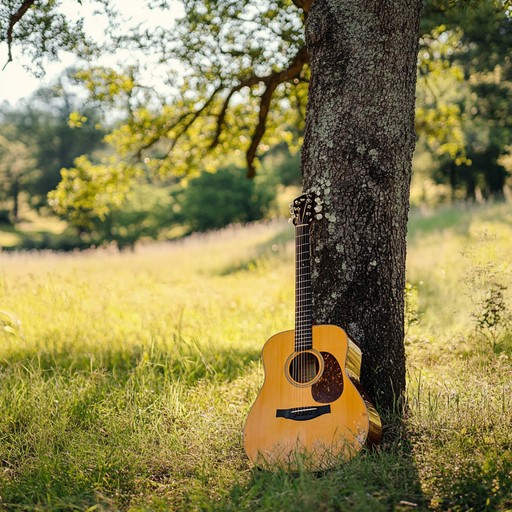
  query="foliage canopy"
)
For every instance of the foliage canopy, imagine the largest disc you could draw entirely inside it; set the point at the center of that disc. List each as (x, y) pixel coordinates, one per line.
(232, 80)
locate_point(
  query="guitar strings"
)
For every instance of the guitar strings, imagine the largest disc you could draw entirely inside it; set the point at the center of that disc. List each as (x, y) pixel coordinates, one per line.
(297, 313)
(305, 367)
(298, 331)
(303, 364)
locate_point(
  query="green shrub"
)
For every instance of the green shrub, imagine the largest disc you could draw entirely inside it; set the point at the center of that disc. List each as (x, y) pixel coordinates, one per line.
(214, 200)
(146, 211)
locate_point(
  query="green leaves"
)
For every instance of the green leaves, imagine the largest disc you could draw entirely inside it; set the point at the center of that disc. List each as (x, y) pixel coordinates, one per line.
(41, 31)
(440, 86)
(89, 191)
(76, 120)
(107, 85)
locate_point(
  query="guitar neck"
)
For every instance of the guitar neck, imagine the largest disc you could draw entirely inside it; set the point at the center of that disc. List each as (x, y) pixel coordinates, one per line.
(303, 292)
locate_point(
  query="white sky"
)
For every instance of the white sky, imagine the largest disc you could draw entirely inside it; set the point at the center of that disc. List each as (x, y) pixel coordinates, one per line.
(17, 83)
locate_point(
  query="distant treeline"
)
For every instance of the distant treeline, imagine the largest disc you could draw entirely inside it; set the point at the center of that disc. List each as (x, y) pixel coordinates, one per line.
(66, 153)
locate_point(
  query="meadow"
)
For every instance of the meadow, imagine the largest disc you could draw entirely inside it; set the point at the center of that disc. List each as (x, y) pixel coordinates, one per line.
(125, 378)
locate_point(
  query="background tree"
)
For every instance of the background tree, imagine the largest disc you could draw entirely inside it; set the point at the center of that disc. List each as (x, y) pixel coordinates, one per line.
(49, 123)
(475, 44)
(17, 172)
(284, 164)
(144, 214)
(90, 192)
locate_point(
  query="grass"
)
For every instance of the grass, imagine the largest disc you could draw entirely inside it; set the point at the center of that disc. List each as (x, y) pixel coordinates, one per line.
(125, 379)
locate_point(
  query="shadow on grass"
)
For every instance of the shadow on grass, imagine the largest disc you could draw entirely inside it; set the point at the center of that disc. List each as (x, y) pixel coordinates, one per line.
(39, 240)
(187, 364)
(107, 430)
(378, 479)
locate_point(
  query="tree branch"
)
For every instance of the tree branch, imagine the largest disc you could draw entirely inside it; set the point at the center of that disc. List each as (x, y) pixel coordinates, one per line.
(271, 81)
(183, 129)
(260, 128)
(13, 19)
(222, 116)
(291, 72)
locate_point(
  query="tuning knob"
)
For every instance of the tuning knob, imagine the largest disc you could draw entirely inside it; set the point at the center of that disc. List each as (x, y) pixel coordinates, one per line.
(318, 208)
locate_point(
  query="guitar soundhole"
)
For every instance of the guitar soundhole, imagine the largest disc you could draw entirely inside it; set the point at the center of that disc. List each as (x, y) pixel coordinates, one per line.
(305, 368)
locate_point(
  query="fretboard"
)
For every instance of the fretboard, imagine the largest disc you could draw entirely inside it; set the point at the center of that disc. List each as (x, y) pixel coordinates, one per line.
(303, 295)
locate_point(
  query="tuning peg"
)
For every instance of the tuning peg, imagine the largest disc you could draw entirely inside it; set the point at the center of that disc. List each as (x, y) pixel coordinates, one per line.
(318, 208)
(319, 216)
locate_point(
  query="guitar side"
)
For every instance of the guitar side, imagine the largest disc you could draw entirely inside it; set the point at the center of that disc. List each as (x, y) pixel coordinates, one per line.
(315, 424)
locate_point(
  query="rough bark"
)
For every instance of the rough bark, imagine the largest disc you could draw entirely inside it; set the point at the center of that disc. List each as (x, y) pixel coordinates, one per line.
(356, 157)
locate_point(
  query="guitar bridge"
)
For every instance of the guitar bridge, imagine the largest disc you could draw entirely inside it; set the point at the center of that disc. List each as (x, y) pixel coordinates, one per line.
(303, 413)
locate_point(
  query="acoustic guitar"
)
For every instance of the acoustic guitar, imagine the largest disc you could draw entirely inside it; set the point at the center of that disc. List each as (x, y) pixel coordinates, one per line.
(311, 411)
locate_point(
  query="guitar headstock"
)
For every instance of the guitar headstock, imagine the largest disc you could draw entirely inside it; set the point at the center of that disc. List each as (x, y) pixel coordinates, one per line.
(305, 209)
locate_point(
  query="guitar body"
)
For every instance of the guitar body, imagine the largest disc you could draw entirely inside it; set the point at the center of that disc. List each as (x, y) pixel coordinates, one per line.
(309, 413)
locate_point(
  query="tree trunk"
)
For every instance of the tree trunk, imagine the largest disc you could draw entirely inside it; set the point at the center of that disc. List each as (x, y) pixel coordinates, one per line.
(357, 158)
(15, 192)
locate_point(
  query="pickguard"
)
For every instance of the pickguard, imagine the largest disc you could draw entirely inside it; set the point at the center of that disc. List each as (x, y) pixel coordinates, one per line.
(330, 385)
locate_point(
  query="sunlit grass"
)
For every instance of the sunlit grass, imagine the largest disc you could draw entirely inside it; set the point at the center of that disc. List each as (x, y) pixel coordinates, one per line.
(452, 262)
(127, 379)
